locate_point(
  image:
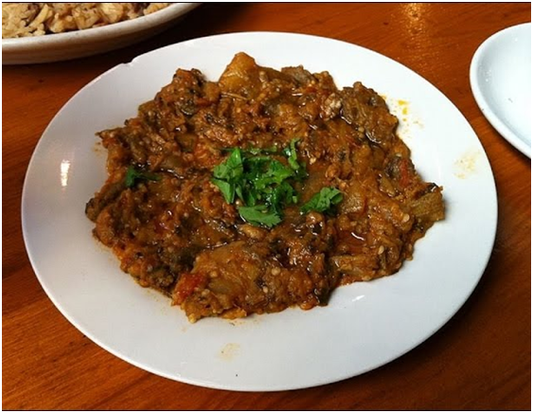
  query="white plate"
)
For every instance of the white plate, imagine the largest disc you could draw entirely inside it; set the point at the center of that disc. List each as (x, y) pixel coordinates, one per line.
(500, 77)
(88, 42)
(365, 325)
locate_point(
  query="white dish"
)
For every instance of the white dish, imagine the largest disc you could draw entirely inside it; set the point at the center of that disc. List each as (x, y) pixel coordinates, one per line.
(500, 77)
(364, 326)
(88, 42)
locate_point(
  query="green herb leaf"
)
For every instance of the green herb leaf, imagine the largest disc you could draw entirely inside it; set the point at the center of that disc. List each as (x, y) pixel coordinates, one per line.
(227, 189)
(134, 175)
(261, 180)
(324, 201)
(259, 215)
(292, 156)
(283, 194)
(227, 174)
(232, 168)
(276, 173)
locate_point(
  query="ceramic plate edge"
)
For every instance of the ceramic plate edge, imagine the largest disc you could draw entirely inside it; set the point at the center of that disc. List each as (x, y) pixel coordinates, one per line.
(479, 97)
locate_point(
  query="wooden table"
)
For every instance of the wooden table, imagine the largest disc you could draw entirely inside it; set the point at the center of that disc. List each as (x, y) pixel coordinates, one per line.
(479, 360)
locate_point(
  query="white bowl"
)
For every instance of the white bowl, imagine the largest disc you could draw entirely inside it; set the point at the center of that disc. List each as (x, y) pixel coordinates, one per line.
(500, 77)
(81, 43)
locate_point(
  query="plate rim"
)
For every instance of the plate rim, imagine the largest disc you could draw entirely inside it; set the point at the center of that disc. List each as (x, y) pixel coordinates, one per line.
(486, 109)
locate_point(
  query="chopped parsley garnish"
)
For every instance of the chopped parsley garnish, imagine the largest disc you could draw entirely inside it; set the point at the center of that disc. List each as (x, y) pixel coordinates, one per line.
(259, 215)
(228, 173)
(324, 201)
(265, 185)
(292, 158)
(134, 175)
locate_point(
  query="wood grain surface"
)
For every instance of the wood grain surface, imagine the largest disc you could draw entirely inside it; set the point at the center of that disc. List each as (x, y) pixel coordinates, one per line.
(478, 360)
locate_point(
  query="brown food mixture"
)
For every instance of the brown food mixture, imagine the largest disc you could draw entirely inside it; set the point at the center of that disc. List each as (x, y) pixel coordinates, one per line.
(178, 235)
